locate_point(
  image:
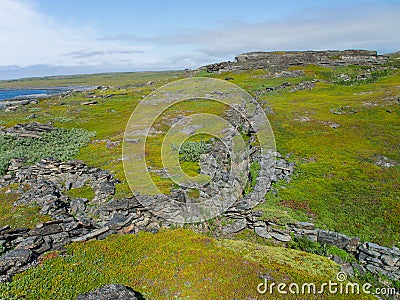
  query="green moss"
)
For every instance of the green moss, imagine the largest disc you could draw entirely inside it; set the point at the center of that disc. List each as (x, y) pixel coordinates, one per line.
(18, 216)
(254, 169)
(171, 264)
(83, 192)
(336, 184)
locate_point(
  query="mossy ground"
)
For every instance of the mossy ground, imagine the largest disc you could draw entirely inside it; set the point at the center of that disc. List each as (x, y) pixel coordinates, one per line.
(18, 216)
(173, 264)
(336, 185)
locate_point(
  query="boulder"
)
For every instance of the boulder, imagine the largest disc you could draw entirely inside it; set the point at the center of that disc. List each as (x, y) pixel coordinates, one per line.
(111, 292)
(333, 238)
(282, 237)
(262, 231)
(15, 259)
(235, 227)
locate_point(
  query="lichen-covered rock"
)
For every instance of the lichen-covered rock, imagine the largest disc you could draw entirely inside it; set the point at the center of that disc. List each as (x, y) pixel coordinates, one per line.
(111, 292)
(15, 259)
(281, 61)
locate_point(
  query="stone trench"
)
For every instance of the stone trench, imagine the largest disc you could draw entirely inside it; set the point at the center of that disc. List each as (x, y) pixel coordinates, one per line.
(78, 219)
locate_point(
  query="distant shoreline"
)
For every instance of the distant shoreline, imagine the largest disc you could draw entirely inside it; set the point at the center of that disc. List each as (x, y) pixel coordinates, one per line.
(16, 94)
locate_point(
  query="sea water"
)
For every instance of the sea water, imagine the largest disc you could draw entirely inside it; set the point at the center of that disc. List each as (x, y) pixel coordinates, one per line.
(17, 93)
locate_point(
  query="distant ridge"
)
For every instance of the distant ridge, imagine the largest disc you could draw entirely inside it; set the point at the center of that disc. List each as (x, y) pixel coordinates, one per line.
(282, 60)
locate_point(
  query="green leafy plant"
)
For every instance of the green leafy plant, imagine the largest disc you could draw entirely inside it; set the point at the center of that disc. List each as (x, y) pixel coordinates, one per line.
(305, 244)
(191, 151)
(60, 144)
(254, 169)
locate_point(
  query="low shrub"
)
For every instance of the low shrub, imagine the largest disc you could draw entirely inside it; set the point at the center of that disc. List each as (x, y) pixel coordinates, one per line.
(191, 151)
(60, 144)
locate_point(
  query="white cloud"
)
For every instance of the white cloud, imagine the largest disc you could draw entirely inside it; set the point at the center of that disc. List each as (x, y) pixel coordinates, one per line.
(345, 28)
(34, 43)
(29, 38)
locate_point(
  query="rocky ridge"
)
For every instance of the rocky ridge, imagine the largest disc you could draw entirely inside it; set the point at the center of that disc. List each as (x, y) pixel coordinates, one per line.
(280, 61)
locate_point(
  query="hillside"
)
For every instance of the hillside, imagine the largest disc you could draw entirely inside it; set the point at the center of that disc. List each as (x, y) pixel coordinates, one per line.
(335, 119)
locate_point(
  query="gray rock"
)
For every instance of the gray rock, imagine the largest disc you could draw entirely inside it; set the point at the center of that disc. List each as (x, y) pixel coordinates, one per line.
(378, 248)
(262, 231)
(348, 269)
(15, 258)
(333, 238)
(46, 229)
(45, 246)
(304, 225)
(334, 125)
(91, 235)
(60, 239)
(390, 260)
(337, 259)
(30, 243)
(281, 236)
(363, 250)
(111, 292)
(378, 270)
(352, 245)
(358, 267)
(383, 161)
(235, 227)
(118, 221)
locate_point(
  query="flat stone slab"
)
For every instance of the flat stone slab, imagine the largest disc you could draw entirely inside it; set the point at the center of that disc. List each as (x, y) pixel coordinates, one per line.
(263, 232)
(235, 227)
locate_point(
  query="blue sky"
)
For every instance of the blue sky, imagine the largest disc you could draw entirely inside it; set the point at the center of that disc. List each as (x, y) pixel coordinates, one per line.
(47, 37)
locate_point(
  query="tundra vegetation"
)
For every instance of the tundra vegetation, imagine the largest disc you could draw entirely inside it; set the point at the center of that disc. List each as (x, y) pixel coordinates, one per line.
(338, 183)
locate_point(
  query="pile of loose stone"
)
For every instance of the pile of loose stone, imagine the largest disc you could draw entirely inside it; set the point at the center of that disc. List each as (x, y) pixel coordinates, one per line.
(79, 219)
(32, 129)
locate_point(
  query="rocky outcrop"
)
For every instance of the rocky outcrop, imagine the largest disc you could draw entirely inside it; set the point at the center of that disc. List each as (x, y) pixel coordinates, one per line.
(279, 61)
(112, 292)
(80, 219)
(32, 129)
(372, 257)
(12, 105)
(381, 260)
(76, 221)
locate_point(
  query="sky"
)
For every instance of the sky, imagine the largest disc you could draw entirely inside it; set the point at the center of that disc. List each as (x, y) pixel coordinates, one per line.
(47, 37)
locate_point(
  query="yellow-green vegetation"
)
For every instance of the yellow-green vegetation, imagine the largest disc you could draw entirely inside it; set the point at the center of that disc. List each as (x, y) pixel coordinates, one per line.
(126, 79)
(85, 191)
(162, 125)
(173, 264)
(336, 185)
(18, 216)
